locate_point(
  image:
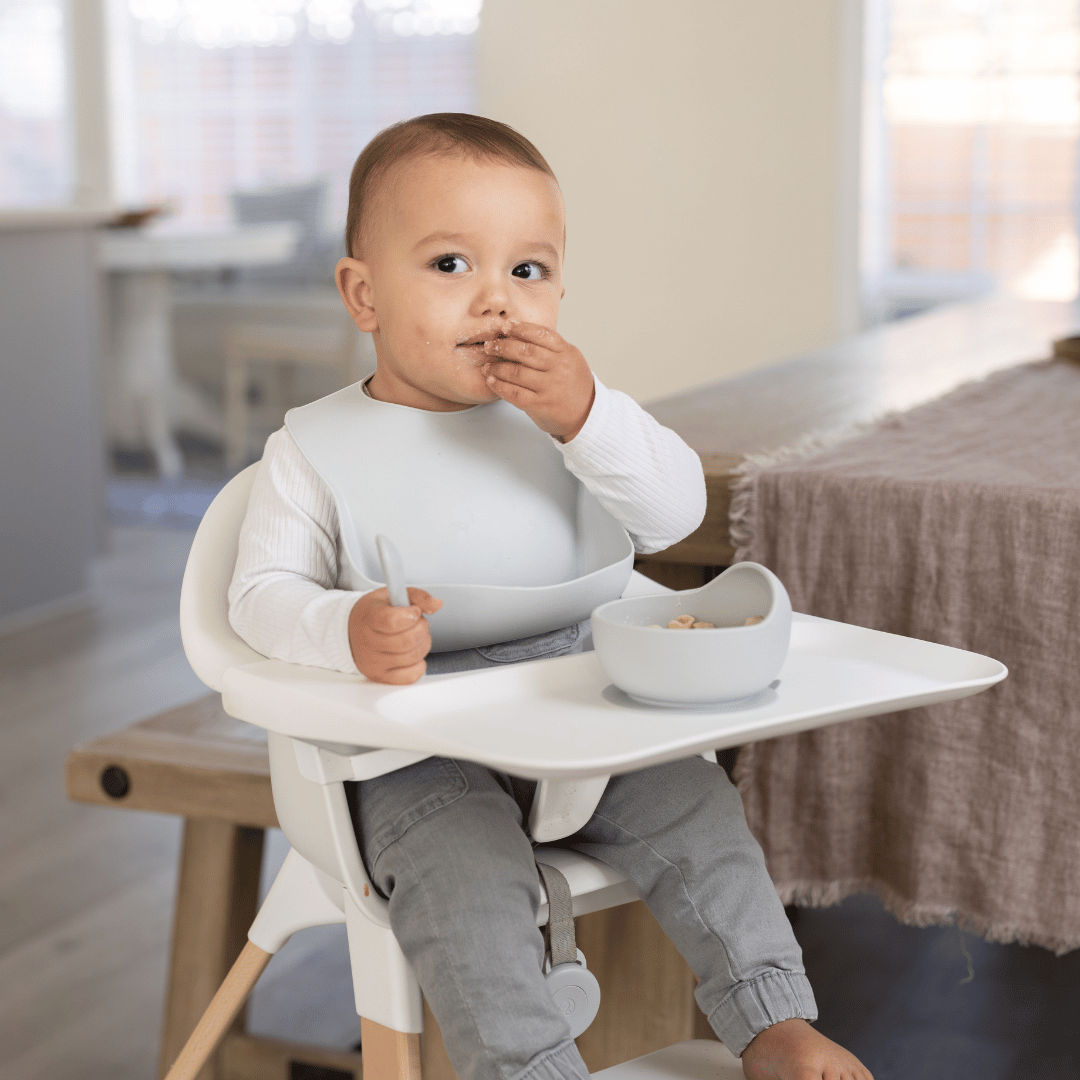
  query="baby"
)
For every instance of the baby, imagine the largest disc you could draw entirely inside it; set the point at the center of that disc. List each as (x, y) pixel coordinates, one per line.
(455, 242)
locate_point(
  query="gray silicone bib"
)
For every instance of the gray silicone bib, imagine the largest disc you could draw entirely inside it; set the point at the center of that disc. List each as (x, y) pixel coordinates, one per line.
(481, 507)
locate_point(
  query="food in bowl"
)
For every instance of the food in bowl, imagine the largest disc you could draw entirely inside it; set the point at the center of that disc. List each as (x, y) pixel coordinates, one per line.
(735, 658)
(692, 622)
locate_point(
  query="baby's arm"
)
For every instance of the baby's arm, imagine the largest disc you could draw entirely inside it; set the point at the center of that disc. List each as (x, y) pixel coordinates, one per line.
(644, 475)
(284, 601)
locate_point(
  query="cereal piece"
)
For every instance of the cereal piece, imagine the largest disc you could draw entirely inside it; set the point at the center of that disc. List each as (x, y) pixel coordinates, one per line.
(754, 620)
(676, 625)
(684, 620)
(654, 626)
(702, 625)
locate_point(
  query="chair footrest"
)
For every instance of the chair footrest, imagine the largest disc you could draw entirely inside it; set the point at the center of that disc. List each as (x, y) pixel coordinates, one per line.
(698, 1059)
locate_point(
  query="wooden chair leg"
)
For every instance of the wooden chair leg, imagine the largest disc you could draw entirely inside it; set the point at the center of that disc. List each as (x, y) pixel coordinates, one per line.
(434, 1061)
(221, 1012)
(388, 1054)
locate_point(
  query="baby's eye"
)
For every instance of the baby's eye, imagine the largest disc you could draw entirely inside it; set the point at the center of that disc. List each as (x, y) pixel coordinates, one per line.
(530, 271)
(451, 264)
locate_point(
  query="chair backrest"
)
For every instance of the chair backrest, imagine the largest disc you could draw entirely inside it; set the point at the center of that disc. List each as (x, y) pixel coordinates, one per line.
(315, 817)
(211, 644)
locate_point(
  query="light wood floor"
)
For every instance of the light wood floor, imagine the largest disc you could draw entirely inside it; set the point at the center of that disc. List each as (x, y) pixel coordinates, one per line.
(86, 892)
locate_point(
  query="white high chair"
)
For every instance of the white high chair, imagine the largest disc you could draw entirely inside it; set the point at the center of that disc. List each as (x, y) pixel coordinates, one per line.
(323, 879)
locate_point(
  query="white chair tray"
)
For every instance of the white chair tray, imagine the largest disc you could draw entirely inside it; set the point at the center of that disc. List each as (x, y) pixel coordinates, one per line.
(562, 718)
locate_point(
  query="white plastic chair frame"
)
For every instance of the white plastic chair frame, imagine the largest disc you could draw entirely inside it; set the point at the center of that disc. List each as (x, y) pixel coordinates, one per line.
(323, 878)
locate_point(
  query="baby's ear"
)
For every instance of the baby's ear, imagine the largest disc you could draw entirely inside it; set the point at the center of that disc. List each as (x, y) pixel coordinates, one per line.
(354, 283)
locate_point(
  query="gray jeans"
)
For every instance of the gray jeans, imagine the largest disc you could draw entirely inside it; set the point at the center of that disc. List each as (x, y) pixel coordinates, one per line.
(446, 843)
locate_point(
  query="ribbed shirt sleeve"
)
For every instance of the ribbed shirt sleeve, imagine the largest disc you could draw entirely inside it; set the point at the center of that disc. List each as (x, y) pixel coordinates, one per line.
(283, 600)
(641, 472)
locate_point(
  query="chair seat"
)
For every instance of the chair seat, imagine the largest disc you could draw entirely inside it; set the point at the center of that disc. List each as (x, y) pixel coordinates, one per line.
(593, 885)
(697, 1059)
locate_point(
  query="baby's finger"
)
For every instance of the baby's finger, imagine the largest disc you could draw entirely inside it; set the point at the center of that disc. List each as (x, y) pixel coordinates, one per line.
(394, 620)
(422, 599)
(517, 374)
(403, 676)
(417, 636)
(536, 334)
(521, 352)
(515, 395)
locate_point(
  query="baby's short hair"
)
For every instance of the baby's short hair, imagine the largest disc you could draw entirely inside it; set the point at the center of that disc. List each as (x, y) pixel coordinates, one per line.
(435, 133)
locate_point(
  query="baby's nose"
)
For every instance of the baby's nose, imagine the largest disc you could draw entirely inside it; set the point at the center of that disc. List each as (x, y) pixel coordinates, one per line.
(492, 298)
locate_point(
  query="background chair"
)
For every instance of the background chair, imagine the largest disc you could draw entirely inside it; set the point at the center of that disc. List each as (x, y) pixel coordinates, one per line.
(305, 204)
(323, 879)
(332, 347)
(280, 336)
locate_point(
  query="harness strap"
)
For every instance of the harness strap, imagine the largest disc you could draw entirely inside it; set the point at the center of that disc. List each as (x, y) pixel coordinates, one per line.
(559, 932)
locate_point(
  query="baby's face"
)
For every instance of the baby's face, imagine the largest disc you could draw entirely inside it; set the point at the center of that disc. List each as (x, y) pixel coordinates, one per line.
(457, 249)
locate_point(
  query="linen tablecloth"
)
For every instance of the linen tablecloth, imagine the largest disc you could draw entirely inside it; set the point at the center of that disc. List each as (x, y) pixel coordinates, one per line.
(959, 523)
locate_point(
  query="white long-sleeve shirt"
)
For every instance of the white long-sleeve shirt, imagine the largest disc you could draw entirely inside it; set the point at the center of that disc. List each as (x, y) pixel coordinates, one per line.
(284, 599)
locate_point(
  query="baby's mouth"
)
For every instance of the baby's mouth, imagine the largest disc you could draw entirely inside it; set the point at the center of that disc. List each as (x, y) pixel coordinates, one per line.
(496, 329)
(479, 341)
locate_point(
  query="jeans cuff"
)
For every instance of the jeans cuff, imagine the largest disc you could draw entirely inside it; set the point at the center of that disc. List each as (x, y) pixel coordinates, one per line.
(562, 1063)
(753, 1006)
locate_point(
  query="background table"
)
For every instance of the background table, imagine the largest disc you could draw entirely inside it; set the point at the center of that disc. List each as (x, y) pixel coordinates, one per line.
(143, 391)
(890, 368)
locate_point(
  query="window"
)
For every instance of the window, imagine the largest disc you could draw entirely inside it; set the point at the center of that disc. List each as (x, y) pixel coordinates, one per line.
(246, 93)
(34, 144)
(970, 151)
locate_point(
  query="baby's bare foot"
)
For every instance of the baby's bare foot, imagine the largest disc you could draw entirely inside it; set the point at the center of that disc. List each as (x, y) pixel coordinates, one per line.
(793, 1050)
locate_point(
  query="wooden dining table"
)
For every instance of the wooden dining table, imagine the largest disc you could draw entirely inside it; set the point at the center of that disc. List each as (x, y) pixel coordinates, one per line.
(889, 368)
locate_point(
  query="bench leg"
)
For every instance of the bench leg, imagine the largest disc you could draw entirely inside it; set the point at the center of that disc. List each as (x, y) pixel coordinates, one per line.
(216, 900)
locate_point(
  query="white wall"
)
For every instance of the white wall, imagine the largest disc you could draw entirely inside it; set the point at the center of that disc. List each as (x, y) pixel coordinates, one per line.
(708, 153)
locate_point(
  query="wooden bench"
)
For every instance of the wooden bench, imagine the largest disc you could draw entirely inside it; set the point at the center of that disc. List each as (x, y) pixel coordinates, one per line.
(211, 770)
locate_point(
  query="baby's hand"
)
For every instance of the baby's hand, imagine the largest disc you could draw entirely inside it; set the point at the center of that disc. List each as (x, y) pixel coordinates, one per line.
(543, 375)
(389, 643)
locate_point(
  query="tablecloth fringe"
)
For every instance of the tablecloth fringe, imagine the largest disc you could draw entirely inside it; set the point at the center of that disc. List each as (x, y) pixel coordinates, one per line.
(744, 487)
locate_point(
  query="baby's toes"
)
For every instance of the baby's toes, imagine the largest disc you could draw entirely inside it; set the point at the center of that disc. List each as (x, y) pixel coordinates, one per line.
(845, 1070)
(855, 1071)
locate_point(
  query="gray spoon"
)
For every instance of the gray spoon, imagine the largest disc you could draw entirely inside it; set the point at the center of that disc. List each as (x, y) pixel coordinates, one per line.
(393, 573)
